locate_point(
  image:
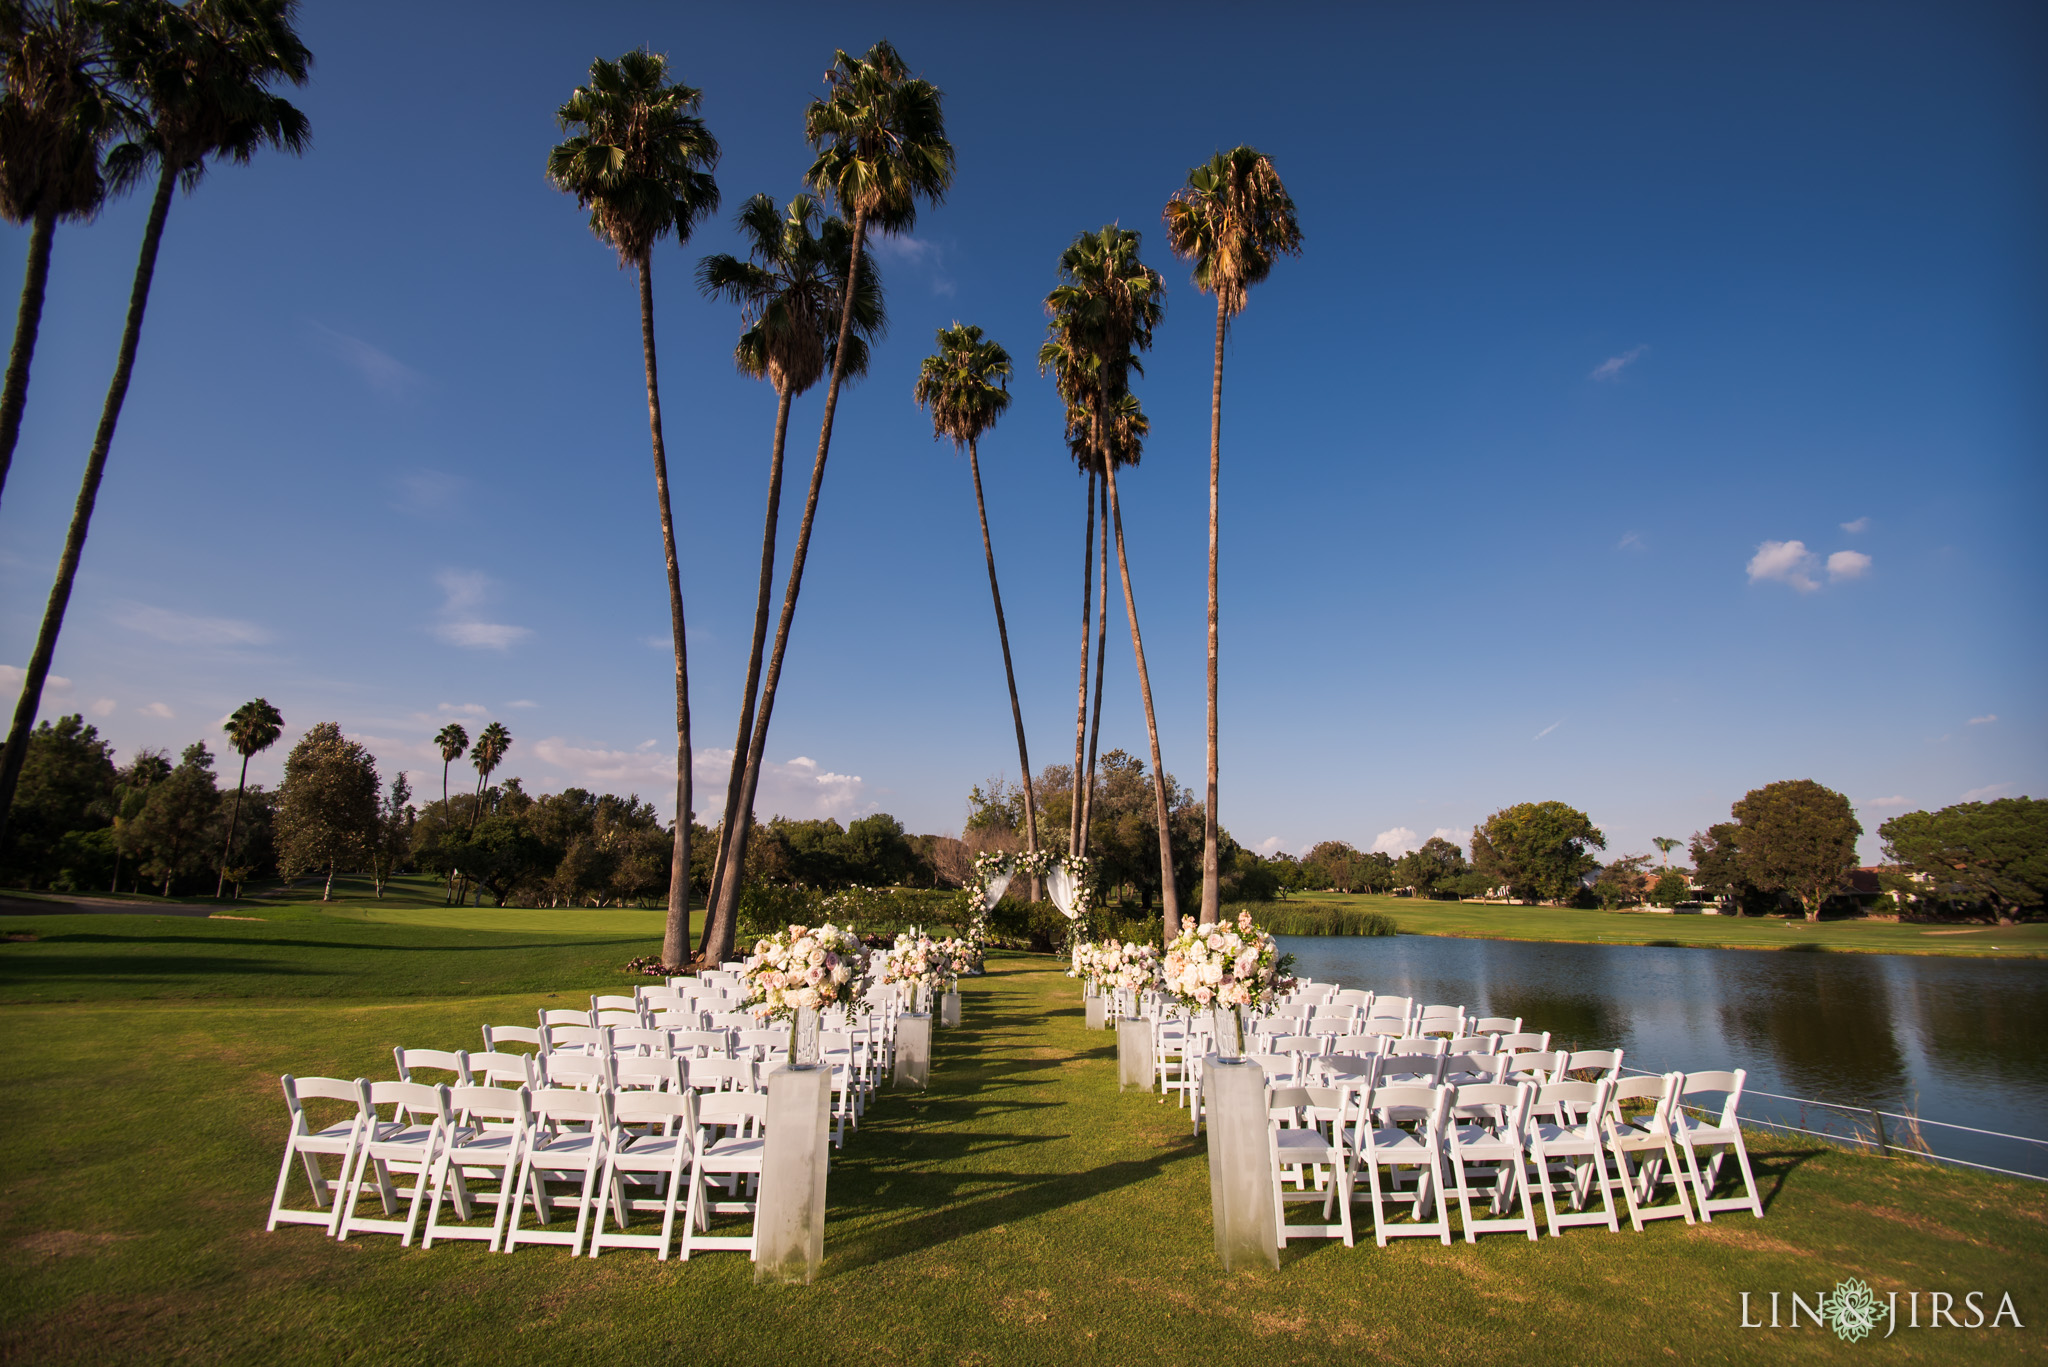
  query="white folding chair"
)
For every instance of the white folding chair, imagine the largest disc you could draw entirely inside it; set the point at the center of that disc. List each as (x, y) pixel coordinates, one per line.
(1488, 1125)
(724, 1075)
(681, 1022)
(758, 1044)
(613, 1001)
(1295, 1141)
(635, 1039)
(557, 1149)
(1514, 1043)
(1497, 1025)
(1378, 1141)
(563, 1016)
(1647, 1139)
(341, 1139)
(1448, 1021)
(574, 1039)
(1723, 1133)
(496, 1037)
(1470, 1070)
(491, 1135)
(408, 1143)
(504, 1070)
(660, 1151)
(613, 1019)
(732, 1158)
(1566, 1139)
(584, 1072)
(691, 1042)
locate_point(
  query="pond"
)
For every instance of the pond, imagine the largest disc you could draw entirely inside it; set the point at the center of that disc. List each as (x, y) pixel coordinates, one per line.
(1950, 1039)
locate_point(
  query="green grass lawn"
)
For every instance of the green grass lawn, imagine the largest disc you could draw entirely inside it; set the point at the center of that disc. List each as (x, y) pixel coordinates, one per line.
(1493, 922)
(1021, 1212)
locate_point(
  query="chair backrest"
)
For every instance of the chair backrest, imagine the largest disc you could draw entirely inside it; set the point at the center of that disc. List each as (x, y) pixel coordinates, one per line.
(733, 1020)
(1330, 1025)
(562, 1017)
(299, 1090)
(1662, 1092)
(690, 1019)
(1474, 1068)
(1574, 1098)
(1419, 1047)
(696, 1043)
(1392, 1027)
(1296, 1044)
(1412, 1069)
(631, 1020)
(634, 1039)
(494, 1103)
(1433, 1017)
(657, 1108)
(746, 1112)
(1605, 1062)
(1535, 1066)
(1504, 1107)
(414, 1098)
(503, 1070)
(724, 1075)
(566, 1103)
(1405, 1101)
(1403, 1007)
(1353, 996)
(1514, 1043)
(1470, 1044)
(555, 1038)
(436, 1060)
(576, 1070)
(1287, 1103)
(1697, 1084)
(1497, 1025)
(761, 1043)
(651, 1073)
(496, 1037)
(612, 1001)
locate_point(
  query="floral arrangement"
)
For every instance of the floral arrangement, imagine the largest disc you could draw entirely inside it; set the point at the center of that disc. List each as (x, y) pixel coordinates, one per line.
(1225, 965)
(804, 968)
(1080, 870)
(918, 960)
(959, 956)
(1129, 966)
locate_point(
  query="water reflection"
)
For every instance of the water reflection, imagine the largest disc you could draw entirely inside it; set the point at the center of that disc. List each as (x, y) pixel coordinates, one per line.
(1951, 1039)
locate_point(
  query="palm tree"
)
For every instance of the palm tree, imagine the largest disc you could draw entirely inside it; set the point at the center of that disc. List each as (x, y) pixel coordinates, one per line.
(1233, 218)
(204, 72)
(789, 295)
(966, 385)
(641, 163)
(487, 755)
(251, 728)
(881, 140)
(452, 741)
(1665, 845)
(1127, 429)
(1103, 312)
(57, 111)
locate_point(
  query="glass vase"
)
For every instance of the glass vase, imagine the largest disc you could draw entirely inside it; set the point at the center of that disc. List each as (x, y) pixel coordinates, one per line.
(803, 1038)
(1228, 1027)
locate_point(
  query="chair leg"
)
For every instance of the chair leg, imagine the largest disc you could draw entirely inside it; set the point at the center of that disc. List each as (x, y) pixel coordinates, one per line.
(284, 1177)
(1700, 1188)
(1464, 1195)
(1756, 1205)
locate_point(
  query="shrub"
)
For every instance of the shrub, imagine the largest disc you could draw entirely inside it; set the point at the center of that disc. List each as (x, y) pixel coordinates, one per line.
(1319, 920)
(1670, 889)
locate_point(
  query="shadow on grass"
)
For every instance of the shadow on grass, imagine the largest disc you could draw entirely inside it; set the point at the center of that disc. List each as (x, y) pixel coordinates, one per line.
(1772, 1169)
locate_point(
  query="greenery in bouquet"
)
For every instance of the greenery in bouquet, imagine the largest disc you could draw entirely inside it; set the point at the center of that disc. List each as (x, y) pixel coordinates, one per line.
(804, 967)
(1226, 965)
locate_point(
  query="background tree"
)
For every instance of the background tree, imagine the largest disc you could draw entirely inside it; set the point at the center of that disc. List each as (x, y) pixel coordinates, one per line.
(1123, 438)
(789, 293)
(67, 789)
(253, 852)
(492, 744)
(327, 805)
(1976, 853)
(880, 135)
(203, 70)
(251, 728)
(453, 743)
(966, 387)
(1797, 837)
(642, 165)
(131, 790)
(1718, 866)
(170, 836)
(1430, 869)
(1232, 220)
(58, 109)
(393, 840)
(1334, 864)
(1103, 313)
(1665, 845)
(1538, 850)
(1624, 882)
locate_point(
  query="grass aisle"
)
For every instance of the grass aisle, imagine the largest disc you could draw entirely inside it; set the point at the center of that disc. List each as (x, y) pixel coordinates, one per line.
(1020, 1212)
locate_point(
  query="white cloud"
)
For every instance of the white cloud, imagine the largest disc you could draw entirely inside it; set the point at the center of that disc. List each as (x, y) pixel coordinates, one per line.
(384, 372)
(1633, 541)
(465, 709)
(103, 707)
(1893, 801)
(185, 629)
(156, 709)
(522, 703)
(1985, 720)
(1987, 793)
(800, 787)
(918, 253)
(1612, 367)
(1861, 524)
(1788, 562)
(1461, 836)
(1399, 840)
(1548, 729)
(1270, 846)
(1847, 565)
(463, 592)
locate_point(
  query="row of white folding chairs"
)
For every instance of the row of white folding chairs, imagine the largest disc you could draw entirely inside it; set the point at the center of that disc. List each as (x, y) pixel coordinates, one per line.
(1530, 1135)
(682, 1145)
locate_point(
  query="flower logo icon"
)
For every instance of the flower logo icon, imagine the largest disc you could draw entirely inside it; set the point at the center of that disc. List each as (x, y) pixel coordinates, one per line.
(1852, 1310)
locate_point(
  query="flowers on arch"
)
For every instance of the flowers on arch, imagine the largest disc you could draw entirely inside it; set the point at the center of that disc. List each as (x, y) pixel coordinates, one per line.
(1226, 965)
(918, 960)
(1080, 872)
(804, 968)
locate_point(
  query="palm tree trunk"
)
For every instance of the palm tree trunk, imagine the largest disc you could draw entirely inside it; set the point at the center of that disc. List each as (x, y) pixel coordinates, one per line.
(762, 597)
(88, 492)
(1016, 710)
(234, 818)
(35, 276)
(724, 913)
(1077, 820)
(327, 893)
(1212, 895)
(675, 936)
(1101, 661)
(1169, 899)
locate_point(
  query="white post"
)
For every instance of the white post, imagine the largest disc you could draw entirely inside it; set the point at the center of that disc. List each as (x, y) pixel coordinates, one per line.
(1134, 1054)
(949, 1009)
(789, 1223)
(1098, 1009)
(1240, 1163)
(913, 1052)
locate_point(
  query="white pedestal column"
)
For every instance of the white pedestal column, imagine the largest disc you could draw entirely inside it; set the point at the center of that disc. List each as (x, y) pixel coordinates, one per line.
(789, 1223)
(1098, 1011)
(1240, 1164)
(913, 1052)
(1134, 1054)
(949, 1009)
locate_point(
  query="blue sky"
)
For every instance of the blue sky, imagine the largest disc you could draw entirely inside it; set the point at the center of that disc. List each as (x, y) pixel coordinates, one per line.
(1656, 412)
